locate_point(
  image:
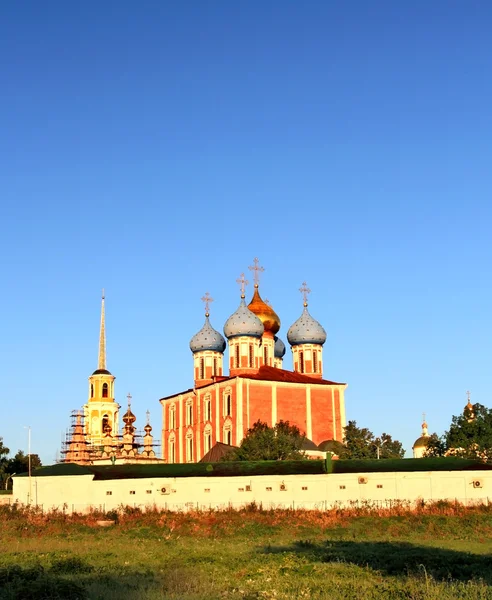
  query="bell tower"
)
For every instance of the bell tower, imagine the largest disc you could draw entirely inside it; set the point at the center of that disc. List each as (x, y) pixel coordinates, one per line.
(101, 410)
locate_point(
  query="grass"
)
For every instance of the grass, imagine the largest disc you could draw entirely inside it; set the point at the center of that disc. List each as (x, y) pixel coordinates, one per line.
(440, 551)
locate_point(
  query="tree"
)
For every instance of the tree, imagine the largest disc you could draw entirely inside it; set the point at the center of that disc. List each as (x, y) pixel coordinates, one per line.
(469, 435)
(20, 463)
(360, 443)
(262, 442)
(4, 452)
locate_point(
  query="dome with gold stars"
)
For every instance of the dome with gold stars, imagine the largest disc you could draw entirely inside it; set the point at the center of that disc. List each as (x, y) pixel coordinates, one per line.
(266, 314)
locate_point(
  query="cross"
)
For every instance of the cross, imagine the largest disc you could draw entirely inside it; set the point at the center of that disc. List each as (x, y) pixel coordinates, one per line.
(267, 301)
(468, 393)
(207, 299)
(305, 291)
(103, 294)
(148, 416)
(257, 269)
(243, 283)
(129, 398)
(423, 417)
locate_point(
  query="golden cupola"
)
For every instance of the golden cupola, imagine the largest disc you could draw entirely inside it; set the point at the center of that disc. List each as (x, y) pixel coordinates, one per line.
(266, 314)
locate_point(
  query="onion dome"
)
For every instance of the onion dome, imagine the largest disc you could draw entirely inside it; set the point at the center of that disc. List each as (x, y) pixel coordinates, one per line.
(243, 322)
(207, 339)
(306, 330)
(266, 314)
(423, 440)
(148, 429)
(129, 417)
(279, 348)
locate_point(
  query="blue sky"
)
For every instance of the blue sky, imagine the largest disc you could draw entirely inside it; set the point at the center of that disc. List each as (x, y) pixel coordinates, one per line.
(155, 148)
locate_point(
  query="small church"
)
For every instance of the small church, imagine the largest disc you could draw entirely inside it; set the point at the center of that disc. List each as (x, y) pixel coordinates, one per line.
(225, 400)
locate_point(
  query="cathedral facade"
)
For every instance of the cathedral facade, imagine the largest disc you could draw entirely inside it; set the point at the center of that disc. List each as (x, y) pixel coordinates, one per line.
(226, 400)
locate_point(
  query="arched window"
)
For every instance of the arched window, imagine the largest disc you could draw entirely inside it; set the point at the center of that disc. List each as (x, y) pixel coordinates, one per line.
(105, 390)
(301, 361)
(172, 416)
(207, 439)
(315, 361)
(189, 412)
(208, 409)
(202, 368)
(172, 450)
(92, 390)
(227, 437)
(189, 447)
(238, 357)
(215, 367)
(105, 424)
(265, 355)
(251, 356)
(227, 405)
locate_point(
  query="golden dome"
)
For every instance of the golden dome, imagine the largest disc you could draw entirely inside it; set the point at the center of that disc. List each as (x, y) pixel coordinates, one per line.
(265, 313)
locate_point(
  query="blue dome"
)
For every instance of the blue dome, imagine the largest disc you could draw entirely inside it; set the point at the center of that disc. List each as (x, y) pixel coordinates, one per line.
(207, 339)
(243, 322)
(279, 348)
(306, 330)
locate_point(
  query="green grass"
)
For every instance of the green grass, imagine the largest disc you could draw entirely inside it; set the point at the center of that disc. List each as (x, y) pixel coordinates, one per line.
(437, 552)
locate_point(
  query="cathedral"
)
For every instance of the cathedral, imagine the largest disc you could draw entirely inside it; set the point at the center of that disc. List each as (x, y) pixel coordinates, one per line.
(94, 434)
(221, 406)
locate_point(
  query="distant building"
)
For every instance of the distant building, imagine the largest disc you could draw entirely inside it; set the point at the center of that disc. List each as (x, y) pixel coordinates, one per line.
(94, 435)
(420, 445)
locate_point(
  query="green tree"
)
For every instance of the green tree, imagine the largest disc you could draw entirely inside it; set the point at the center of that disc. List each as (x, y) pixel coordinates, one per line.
(262, 442)
(4, 452)
(469, 435)
(20, 463)
(360, 443)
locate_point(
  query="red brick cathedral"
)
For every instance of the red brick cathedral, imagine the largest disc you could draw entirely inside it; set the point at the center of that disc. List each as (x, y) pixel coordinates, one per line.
(221, 407)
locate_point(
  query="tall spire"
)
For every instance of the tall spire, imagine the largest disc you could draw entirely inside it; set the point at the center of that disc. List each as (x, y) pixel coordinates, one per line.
(101, 364)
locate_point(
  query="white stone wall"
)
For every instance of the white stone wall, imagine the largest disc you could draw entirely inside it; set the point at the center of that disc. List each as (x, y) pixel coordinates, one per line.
(80, 493)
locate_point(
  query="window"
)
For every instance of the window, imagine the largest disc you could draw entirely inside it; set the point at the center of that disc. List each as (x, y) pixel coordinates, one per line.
(268, 489)
(92, 390)
(379, 485)
(215, 367)
(265, 355)
(301, 361)
(315, 361)
(251, 356)
(208, 409)
(172, 451)
(148, 491)
(342, 487)
(132, 492)
(227, 405)
(189, 412)
(202, 369)
(207, 490)
(229, 437)
(172, 416)
(238, 357)
(105, 426)
(109, 493)
(304, 488)
(240, 489)
(105, 390)
(189, 448)
(208, 440)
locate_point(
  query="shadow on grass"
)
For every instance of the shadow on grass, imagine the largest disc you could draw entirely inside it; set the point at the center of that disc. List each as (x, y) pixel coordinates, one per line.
(74, 579)
(398, 558)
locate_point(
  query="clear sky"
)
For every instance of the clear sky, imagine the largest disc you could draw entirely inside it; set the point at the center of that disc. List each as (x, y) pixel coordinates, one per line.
(155, 148)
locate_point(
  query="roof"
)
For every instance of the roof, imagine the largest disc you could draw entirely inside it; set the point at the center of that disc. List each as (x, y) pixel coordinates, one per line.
(266, 373)
(217, 452)
(422, 441)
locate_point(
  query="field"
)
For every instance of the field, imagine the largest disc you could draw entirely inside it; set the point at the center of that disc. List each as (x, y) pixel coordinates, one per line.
(441, 551)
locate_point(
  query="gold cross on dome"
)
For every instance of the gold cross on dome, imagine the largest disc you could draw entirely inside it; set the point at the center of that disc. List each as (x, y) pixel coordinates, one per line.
(468, 394)
(242, 283)
(257, 270)
(207, 299)
(423, 417)
(129, 398)
(305, 291)
(148, 417)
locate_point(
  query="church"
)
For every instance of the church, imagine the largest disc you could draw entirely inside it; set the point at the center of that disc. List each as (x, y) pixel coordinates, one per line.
(221, 406)
(94, 436)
